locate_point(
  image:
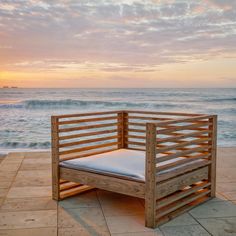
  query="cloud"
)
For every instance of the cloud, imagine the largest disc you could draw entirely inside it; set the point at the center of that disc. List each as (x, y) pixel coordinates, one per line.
(124, 32)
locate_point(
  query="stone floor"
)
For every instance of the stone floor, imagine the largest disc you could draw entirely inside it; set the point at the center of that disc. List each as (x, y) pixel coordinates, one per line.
(26, 207)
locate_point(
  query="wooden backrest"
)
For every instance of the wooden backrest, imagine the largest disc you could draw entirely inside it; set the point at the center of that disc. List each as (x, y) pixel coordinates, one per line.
(135, 125)
(80, 135)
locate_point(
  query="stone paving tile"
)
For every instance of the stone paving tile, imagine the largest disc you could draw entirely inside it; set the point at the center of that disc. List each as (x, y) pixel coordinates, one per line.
(183, 223)
(225, 158)
(15, 155)
(216, 199)
(186, 230)
(27, 204)
(157, 232)
(226, 187)
(24, 192)
(75, 231)
(220, 226)
(33, 178)
(36, 164)
(1, 201)
(7, 175)
(219, 196)
(85, 219)
(36, 161)
(9, 166)
(2, 157)
(32, 166)
(212, 209)
(5, 184)
(127, 224)
(87, 199)
(28, 219)
(12, 160)
(114, 204)
(185, 219)
(36, 155)
(230, 195)
(226, 175)
(3, 192)
(228, 190)
(52, 231)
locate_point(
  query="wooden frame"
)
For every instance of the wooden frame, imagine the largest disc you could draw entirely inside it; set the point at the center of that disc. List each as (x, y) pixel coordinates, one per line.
(169, 189)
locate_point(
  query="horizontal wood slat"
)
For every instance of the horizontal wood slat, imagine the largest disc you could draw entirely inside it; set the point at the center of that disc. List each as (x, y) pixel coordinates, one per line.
(179, 182)
(180, 194)
(181, 202)
(148, 118)
(68, 185)
(136, 130)
(86, 154)
(109, 183)
(73, 136)
(88, 148)
(70, 192)
(176, 136)
(184, 161)
(136, 143)
(182, 153)
(136, 124)
(86, 114)
(87, 127)
(162, 113)
(182, 170)
(181, 210)
(197, 118)
(183, 127)
(183, 144)
(88, 141)
(87, 120)
(135, 136)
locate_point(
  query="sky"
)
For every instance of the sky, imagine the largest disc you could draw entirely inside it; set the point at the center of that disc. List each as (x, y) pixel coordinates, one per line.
(125, 43)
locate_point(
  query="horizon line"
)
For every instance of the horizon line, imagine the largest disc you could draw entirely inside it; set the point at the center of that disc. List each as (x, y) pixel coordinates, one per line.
(10, 87)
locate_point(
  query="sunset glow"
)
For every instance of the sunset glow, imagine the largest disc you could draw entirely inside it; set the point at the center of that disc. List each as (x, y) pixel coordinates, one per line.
(118, 43)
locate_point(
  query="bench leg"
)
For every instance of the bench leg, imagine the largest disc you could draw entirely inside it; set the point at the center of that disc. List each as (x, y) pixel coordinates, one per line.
(55, 183)
(150, 212)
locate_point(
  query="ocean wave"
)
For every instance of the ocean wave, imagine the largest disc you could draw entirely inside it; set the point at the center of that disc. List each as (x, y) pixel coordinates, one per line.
(75, 103)
(32, 145)
(71, 103)
(220, 99)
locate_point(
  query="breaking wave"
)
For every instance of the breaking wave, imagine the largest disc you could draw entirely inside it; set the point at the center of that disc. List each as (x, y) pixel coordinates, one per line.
(70, 103)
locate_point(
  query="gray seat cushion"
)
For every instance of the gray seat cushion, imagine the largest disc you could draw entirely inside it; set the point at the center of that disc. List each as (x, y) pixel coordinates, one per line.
(121, 163)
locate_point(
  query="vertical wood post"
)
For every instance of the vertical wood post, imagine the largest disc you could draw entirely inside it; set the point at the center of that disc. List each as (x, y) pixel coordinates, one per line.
(55, 159)
(150, 176)
(213, 143)
(122, 129)
(125, 129)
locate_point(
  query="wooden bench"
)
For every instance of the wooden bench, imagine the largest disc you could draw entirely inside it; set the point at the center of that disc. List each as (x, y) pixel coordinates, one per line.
(178, 151)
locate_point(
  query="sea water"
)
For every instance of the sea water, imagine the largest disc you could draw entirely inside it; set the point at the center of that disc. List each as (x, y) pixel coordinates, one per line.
(25, 113)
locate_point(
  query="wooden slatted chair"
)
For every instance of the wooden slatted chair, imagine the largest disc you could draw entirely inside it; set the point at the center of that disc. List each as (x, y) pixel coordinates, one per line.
(168, 159)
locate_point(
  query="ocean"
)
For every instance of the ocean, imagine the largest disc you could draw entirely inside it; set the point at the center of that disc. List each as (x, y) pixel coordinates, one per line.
(25, 113)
